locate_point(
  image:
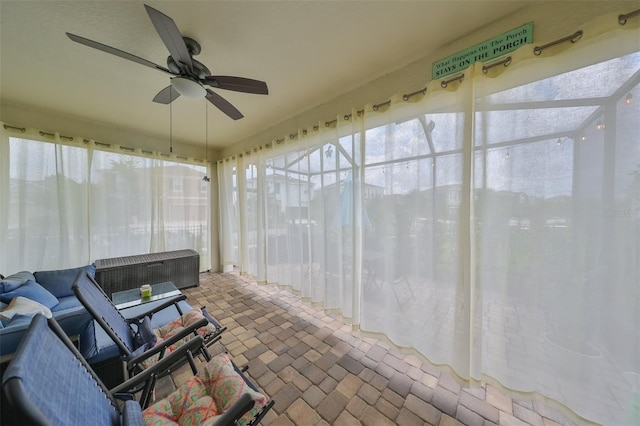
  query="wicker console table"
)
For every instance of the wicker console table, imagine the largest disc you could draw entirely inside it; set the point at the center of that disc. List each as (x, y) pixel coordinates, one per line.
(182, 267)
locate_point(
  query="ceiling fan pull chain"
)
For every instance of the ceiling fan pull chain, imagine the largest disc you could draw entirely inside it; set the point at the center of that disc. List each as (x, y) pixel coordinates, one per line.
(206, 141)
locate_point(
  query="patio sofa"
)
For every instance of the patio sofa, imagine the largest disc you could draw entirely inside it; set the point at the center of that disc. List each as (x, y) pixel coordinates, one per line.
(41, 291)
(53, 290)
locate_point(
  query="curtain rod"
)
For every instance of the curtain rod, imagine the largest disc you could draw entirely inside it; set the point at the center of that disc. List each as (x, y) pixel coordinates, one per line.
(506, 62)
(573, 38)
(622, 19)
(102, 144)
(377, 106)
(411, 95)
(347, 117)
(445, 83)
(22, 129)
(69, 138)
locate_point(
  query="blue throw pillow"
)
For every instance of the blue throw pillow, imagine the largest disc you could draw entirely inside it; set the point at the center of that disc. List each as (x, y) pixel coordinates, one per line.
(33, 291)
(59, 282)
(14, 281)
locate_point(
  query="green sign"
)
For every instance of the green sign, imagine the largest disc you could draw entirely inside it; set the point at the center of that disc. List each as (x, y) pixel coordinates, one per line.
(485, 51)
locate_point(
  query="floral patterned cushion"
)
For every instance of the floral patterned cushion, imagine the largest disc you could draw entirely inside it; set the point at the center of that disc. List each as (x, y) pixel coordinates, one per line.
(187, 319)
(168, 330)
(203, 397)
(229, 386)
(189, 405)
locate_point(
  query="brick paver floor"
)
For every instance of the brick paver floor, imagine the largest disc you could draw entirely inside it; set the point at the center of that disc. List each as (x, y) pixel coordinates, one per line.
(318, 371)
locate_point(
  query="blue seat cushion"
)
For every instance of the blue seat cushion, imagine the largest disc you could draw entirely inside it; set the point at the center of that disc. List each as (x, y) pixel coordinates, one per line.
(96, 345)
(67, 302)
(73, 320)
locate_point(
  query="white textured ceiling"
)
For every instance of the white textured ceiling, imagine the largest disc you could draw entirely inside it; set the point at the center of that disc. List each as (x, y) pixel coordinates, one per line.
(308, 52)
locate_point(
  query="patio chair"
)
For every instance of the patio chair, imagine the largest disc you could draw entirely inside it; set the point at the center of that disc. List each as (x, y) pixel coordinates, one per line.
(48, 382)
(140, 345)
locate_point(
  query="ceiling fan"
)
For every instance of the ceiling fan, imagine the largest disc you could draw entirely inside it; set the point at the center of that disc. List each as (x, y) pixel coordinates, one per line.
(189, 75)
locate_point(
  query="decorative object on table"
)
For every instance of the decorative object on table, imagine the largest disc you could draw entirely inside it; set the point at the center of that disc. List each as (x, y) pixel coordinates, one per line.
(145, 291)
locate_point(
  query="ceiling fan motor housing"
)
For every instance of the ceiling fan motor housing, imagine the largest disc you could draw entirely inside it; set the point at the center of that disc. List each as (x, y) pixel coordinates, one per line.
(199, 69)
(192, 46)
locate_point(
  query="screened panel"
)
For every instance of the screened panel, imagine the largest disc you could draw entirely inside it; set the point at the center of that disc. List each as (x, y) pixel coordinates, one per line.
(144, 205)
(527, 124)
(229, 223)
(47, 205)
(410, 254)
(575, 86)
(71, 205)
(491, 225)
(557, 227)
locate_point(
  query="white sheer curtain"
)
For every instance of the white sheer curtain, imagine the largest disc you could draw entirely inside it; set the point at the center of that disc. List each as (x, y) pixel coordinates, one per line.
(45, 208)
(252, 219)
(229, 225)
(557, 227)
(530, 277)
(67, 205)
(415, 256)
(298, 218)
(493, 224)
(146, 205)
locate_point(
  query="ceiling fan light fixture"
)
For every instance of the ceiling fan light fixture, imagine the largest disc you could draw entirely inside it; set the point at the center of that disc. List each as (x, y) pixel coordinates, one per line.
(189, 88)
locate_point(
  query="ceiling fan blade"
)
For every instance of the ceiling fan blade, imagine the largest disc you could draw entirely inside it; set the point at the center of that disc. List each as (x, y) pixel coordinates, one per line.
(223, 105)
(117, 52)
(238, 84)
(166, 95)
(171, 37)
